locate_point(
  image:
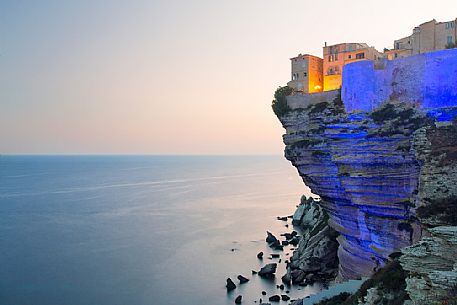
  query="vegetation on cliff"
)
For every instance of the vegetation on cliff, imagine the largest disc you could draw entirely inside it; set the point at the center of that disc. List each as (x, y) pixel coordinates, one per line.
(279, 104)
(387, 283)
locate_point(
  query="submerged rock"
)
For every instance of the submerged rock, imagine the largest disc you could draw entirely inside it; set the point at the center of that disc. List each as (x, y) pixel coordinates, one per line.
(238, 299)
(274, 298)
(242, 279)
(268, 270)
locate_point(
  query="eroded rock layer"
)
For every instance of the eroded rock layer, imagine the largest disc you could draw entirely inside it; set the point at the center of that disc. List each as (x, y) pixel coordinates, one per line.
(432, 262)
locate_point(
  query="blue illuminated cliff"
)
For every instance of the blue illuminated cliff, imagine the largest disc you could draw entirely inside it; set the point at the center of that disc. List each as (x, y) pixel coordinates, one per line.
(382, 156)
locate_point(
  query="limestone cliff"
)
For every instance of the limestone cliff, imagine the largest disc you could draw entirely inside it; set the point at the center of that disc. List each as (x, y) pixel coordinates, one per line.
(362, 167)
(386, 178)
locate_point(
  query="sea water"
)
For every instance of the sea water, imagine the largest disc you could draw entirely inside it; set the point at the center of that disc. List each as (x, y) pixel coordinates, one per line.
(162, 230)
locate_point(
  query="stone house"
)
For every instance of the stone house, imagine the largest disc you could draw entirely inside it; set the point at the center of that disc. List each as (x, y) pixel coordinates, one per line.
(336, 56)
(427, 37)
(306, 74)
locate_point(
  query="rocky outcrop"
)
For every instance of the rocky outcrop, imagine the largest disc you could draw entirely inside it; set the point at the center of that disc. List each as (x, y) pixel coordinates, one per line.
(315, 258)
(362, 167)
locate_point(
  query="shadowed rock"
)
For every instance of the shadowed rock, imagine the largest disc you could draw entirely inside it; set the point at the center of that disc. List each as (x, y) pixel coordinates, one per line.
(230, 284)
(268, 270)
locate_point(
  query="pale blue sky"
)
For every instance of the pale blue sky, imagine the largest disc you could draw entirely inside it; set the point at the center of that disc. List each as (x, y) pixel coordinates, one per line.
(170, 76)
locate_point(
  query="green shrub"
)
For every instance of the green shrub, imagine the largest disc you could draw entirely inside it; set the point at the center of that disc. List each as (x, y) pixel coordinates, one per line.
(444, 210)
(279, 104)
(390, 278)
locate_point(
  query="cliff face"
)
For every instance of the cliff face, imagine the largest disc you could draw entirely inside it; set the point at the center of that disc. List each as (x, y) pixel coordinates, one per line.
(387, 180)
(432, 262)
(363, 168)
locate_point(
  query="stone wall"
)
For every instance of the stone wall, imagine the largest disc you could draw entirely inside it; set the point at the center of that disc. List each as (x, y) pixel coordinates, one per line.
(428, 80)
(305, 100)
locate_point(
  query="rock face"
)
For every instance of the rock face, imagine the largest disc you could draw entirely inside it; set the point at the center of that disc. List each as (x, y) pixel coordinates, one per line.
(366, 174)
(432, 262)
(316, 255)
(432, 265)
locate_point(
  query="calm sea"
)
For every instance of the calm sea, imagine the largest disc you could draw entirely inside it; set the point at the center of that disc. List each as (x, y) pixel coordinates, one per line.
(140, 229)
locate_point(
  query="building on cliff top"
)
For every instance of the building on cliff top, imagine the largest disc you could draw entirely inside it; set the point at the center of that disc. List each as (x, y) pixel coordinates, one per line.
(311, 74)
(336, 56)
(306, 74)
(427, 37)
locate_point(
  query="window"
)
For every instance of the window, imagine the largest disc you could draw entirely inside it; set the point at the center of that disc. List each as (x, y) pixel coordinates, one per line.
(360, 55)
(396, 55)
(336, 56)
(450, 25)
(350, 56)
(305, 74)
(330, 58)
(397, 45)
(449, 39)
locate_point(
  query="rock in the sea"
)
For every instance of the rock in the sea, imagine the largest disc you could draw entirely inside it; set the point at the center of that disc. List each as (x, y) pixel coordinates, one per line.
(286, 278)
(285, 297)
(279, 247)
(274, 298)
(299, 212)
(242, 279)
(264, 292)
(238, 299)
(268, 270)
(283, 218)
(230, 284)
(272, 240)
(260, 255)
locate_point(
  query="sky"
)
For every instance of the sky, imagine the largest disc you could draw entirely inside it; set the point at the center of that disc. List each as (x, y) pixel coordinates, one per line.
(170, 77)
